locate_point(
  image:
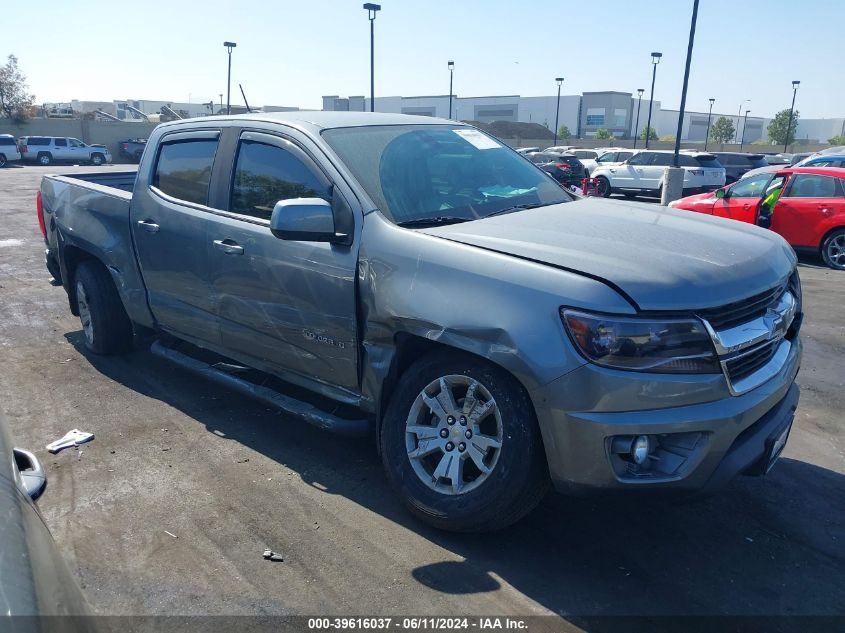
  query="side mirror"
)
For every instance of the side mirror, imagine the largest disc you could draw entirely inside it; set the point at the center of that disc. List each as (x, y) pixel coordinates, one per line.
(32, 474)
(304, 220)
(721, 193)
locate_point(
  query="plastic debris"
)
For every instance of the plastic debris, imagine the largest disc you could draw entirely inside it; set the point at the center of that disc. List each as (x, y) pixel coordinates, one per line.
(273, 556)
(71, 438)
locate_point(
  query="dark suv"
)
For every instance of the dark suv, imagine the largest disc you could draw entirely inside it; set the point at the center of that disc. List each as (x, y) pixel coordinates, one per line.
(737, 164)
(565, 168)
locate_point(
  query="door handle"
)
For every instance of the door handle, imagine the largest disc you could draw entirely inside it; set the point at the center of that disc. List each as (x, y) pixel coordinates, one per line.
(230, 247)
(149, 226)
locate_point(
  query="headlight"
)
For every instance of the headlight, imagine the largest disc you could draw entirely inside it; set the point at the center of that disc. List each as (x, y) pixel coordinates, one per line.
(669, 346)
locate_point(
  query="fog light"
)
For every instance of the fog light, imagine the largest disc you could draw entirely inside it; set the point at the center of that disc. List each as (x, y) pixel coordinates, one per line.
(640, 449)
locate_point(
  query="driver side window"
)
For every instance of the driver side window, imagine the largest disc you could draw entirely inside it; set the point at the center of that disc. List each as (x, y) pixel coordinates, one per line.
(607, 158)
(75, 142)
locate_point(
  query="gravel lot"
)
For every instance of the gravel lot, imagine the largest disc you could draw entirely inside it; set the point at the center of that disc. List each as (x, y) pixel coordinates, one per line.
(229, 477)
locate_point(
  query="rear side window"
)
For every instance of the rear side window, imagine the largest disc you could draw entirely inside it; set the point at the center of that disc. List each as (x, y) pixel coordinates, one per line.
(37, 140)
(814, 186)
(643, 158)
(586, 154)
(624, 155)
(265, 174)
(61, 142)
(7, 140)
(183, 169)
(662, 160)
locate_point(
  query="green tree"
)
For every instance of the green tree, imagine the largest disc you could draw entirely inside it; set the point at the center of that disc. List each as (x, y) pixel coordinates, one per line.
(839, 139)
(778, 127)
(603, 134)
(722, 130)
(15, 100)
(563, 132)
(652, 134)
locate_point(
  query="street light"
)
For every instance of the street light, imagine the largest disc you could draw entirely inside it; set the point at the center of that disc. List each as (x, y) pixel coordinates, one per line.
(709, 114)
(744, 125)
(738, 114)
(451, 66)
(371, 10)
(229, 46)
(655, 59)
(559, 81)
(640, 92)
(791, 110)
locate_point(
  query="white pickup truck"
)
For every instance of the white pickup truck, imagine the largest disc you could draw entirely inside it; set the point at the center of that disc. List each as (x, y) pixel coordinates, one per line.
(46, 150)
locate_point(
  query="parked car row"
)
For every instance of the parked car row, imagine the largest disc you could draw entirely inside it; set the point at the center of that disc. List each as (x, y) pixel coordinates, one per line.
(46, 150)
(809, 211)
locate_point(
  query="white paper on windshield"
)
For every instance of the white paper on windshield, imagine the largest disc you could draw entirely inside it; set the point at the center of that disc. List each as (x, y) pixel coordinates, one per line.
(477, 139)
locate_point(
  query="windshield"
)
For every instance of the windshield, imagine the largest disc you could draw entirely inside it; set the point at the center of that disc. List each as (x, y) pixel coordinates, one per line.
(415, 173)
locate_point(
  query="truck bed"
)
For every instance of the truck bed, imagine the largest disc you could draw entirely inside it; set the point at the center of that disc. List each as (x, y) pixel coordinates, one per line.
(123, 180)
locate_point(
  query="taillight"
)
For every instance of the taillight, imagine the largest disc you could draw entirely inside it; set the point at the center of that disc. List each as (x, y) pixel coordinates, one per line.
(40, 208)
(24, 149)
(563, 166)
(124, 146)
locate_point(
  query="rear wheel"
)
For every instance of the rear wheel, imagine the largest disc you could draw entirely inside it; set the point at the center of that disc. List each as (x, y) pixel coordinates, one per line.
(45, 158)
(833, 250)
(137, 155)
(2, 160)
(461, 446)
(603, 186)
(104, 321)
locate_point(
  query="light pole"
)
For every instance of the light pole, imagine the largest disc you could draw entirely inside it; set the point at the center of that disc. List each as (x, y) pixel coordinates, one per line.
(371, 10)
(229, 46)
(559, 81)
(451, 66)
(738, 114)
(686, 83)
(791, 110)
(640, 92)
(709, 114)
(655, 59)
(744, 125)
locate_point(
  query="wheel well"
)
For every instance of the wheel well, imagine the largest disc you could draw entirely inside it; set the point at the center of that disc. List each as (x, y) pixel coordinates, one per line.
(828, 234)
(409, 348)
(74, 256)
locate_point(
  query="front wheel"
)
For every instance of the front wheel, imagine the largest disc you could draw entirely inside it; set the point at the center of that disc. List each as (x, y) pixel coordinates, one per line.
(461, 446)
(833, 250)
(603, 186)
(2, 160)
(97, 159)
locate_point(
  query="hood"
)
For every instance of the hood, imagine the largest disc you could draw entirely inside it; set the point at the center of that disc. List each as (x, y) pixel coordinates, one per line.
(661, 258)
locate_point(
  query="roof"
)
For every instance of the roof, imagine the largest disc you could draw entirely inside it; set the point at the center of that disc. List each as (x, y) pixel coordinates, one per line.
(838, 172)
(688, 152)
(318, 119)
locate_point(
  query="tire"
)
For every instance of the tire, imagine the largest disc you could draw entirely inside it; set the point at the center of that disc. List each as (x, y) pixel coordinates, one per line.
(45, 159)
(137, 155)
(2, 160)
(97, 159)
(833, 250)
(603, 187)
(517, 478)
(106, 326)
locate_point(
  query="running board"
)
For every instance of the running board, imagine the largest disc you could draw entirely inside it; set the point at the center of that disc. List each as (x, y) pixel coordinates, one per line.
(304, 410)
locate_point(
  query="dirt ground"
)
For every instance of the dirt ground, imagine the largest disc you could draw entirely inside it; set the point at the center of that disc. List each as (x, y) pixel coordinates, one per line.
(169, 509)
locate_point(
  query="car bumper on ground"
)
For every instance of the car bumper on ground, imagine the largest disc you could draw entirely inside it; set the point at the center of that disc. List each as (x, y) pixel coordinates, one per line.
(703, 440)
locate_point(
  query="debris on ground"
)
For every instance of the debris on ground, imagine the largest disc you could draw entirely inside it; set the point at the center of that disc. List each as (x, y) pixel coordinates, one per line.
(71, 438)
(170, 534)
(273, 556)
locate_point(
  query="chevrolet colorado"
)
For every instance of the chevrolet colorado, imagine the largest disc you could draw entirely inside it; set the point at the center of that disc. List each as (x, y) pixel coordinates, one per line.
(415, 278)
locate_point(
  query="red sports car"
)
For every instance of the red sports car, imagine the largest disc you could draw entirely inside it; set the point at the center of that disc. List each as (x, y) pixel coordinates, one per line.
(809, 214)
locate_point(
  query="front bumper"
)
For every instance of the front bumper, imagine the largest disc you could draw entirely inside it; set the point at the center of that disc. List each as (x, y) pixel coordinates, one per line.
(710, 435)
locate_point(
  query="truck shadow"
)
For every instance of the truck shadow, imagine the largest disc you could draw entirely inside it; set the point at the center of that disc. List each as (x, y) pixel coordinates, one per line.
(770, 546)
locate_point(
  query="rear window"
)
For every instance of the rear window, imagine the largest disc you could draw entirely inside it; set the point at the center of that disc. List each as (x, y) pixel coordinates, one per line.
(7, 140)
(757, 161)
(183, 169)
(708, 161)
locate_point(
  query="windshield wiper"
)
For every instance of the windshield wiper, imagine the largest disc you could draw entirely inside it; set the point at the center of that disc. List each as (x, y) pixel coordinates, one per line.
(517, 207)
(435, 221)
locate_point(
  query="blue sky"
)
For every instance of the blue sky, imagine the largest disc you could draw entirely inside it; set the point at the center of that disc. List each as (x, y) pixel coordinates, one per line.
(292, 53)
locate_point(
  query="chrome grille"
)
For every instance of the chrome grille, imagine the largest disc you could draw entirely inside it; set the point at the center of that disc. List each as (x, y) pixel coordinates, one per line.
(746, 364)
(741, 311)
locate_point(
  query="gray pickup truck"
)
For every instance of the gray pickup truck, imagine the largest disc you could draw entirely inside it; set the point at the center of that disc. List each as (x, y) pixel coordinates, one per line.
(414, 278)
